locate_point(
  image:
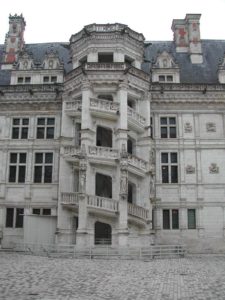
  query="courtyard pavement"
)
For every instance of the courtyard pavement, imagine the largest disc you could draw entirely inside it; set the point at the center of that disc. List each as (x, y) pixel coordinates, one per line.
(25, 277)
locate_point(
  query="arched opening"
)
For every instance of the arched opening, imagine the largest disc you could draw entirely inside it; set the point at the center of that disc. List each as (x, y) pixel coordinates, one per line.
(104, 137)
(131, 197)
(103, 185)
(130, 145)
(103, 234)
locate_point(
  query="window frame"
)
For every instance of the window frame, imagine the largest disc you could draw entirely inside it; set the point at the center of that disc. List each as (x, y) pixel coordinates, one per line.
(42, 166)
(20, 127)
(42, 130)
(17, 221)
(170, 224)
(168, 126)
(169, 167)
(18, 166)
(188, 222)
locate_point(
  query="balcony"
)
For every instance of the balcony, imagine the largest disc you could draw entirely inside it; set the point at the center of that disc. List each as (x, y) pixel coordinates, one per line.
(71, 153)
(73, 108)
(135, 120)
(70, 200)
(102, 206)
(103, 155)
(137, 165)
(104, 108)
(137, 214)
(112, 66)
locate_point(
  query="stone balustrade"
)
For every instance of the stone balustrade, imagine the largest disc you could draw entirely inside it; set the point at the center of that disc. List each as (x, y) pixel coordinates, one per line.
(69, 198)
(104, 105)
(71, 150)
(105, 66)
(73, 106)
(137, 162)
(103, 152)
(103, 203)
(138, 211)
(136, 116)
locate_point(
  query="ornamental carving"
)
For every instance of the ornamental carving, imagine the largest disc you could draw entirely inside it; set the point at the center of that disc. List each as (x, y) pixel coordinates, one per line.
(190, 169)
(123, 182)
(213, 168)
(210, 127)
(187, 127)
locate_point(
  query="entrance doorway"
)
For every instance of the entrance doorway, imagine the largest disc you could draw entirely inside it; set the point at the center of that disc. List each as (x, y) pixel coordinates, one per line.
(103, 234)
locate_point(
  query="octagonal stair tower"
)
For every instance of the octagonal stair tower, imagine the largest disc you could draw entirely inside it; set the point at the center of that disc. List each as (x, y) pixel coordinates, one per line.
(105, 169)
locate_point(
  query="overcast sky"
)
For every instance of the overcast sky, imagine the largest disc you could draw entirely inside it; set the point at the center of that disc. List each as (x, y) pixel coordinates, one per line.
(56, 21)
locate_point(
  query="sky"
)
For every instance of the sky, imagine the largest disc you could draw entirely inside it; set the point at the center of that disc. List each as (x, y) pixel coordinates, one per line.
(56, 21)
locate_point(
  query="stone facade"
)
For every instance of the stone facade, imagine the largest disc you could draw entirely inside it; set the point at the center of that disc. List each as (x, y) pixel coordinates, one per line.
(109, 139)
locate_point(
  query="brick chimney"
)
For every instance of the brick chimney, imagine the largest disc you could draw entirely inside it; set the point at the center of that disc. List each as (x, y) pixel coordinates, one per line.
(187, 37)
(14, 40)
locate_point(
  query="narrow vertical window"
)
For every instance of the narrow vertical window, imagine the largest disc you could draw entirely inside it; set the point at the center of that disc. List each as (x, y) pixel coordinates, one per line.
(191, 218)
(166, 219)
(43, 167)
(17, 167)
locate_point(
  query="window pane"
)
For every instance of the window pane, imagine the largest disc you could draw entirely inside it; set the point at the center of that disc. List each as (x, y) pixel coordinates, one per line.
(166, 219)
(25, 121)
(165, 174)
(173, 157)
(22, 174)
(174, 177)
(54, 79)
(50, 121)
(48, 174)
(24, 133)
(173, 132)
(50, 133)
(169, 78)
(12, 174)
(19, 218)
(163, 132)
(16, 121)
(15, 133)
(37, 174)
(163, 121)
(46, 212)
(161, 78)
(9, 217)
(38, 158)
(36, 211)
(164, 158)
(13, 158)
(23, 157)
(191, 219)
(46, 79)
(40, 133)
(41, 121)
(48, 158)
(172, 121)
(175, 219)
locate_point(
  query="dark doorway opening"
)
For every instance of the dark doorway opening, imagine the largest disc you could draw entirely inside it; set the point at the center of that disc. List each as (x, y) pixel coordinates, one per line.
(103, 234)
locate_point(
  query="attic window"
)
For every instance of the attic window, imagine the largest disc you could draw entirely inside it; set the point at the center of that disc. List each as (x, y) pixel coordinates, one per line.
(27, 79)
(105, 57)
(53, 78)
(46, 79)
(128, 60)
(83, 60)
(20, 80)
(165, 78)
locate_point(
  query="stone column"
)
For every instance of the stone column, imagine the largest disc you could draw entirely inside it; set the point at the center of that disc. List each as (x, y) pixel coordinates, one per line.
(199, 217)
(86, 120)
(81, 235)
(122, 124)
(123, 205)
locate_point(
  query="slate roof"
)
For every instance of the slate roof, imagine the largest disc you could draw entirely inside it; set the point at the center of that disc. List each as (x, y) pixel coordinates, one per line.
(213, 53)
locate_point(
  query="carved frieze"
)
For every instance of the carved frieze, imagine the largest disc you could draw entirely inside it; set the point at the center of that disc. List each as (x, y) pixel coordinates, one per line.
(187, 127)
(190, 169)
(210, 127)
(213, 168)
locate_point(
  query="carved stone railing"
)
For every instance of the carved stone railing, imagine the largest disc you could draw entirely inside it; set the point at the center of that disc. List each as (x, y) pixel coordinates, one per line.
(104, 105)
(105, 66)
(71, 150)
(138, 211)
(137, 162)
(103, 152)
(69, 198)
(136, 116)
(73, 106)
(103, 203)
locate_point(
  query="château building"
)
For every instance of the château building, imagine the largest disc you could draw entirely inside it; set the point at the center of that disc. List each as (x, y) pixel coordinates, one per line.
(112, 139)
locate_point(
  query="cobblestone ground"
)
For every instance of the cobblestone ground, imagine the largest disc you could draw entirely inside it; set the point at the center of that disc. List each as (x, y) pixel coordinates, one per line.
(25, 277)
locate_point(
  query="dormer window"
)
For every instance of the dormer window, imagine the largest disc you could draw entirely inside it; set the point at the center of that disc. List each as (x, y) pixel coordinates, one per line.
(128, 60)
(53, 78)
(46, 79)
(20, 80)
(105, 57)
(165, 78)
(27, 79)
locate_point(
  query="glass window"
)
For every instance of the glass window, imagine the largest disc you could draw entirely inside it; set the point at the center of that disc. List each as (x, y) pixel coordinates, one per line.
(168, 127)
(17, 167)
(166, 219)
(169, 167)
(43, 167)
(191, 219)
(9, 217)
(45, 128)
(20, 128)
